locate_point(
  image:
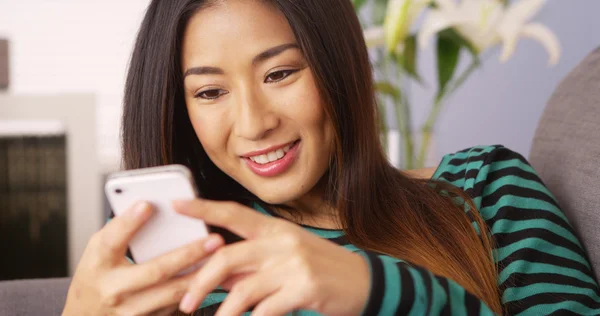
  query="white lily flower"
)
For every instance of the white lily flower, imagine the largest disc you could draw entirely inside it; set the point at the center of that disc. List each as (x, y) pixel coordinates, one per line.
(485, 23)
(400, 15)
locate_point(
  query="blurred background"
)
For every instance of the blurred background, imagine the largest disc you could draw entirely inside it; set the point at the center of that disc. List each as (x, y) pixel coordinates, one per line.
(62, 72)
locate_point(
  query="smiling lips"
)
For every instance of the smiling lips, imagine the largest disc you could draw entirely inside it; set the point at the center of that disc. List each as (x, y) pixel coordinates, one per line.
(273, 161)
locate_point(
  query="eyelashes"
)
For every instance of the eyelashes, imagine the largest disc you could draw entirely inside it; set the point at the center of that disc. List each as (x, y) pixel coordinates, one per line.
(210, 94)
(273, 77)
(279, 75)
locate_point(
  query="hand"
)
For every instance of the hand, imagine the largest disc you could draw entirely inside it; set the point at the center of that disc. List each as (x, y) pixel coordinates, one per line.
(279, 268)
(105, 283)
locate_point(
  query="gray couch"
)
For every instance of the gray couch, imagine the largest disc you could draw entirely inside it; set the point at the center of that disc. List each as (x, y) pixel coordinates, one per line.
(565, 151)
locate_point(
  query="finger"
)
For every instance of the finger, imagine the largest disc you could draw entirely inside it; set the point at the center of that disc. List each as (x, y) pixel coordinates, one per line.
(116, 234)
(233, 280)
(241, 257)
(249, 292)
(164, 267)
(156, 298)
(239, 219)
(281, 302)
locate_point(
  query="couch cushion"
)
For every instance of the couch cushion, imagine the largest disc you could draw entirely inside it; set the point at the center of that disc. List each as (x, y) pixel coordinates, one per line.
(566, 151)
(33, 297)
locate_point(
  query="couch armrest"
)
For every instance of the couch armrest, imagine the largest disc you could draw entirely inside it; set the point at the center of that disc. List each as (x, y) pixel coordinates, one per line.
(33, 297)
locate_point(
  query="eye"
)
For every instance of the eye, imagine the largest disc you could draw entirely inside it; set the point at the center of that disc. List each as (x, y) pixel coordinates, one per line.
(277, 76)
(210, 94)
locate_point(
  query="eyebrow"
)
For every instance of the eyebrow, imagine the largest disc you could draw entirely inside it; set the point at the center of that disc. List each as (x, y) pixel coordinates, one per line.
(269, 53)
(272, 52)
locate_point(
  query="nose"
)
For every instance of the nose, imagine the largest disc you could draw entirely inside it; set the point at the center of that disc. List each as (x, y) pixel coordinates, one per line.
(254, 117)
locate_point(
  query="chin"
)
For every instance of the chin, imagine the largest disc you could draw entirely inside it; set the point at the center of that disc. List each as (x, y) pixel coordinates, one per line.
(279, 198)
(279, 193)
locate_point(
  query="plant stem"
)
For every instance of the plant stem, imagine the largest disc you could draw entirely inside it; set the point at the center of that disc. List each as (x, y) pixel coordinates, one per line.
(383, 128)
(427, 129)
(402, 110)
(403, 117)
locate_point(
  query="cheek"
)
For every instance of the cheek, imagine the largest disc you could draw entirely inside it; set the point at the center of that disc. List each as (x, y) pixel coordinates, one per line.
(306, 107)
(210, 130)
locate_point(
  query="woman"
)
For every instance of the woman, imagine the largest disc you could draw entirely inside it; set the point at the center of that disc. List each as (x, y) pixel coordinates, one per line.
(271, 105)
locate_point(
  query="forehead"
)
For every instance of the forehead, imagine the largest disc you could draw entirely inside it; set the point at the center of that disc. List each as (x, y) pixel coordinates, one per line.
(234, 30)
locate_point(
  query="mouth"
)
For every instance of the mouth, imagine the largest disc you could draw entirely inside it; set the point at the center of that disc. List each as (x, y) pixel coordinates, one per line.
(270, 155)
(273, 162)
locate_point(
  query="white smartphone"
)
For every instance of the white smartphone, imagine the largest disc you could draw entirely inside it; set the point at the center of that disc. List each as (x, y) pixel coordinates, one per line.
(166, 230)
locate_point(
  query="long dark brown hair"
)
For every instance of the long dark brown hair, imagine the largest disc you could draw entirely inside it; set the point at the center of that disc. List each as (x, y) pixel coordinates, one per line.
(380, 208)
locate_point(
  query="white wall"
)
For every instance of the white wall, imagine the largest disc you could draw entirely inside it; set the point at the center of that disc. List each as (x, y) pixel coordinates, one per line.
(65, 46)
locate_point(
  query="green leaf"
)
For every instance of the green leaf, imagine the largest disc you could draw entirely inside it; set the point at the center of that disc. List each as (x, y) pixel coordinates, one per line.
(447, 58)
(408, 59)
(379, 11)
(387, 89)
(358, 4)
(452, 35)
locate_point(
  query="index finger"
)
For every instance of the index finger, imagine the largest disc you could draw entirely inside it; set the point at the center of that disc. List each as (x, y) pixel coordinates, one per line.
(235, 217)
(116, 234)
(136, 277)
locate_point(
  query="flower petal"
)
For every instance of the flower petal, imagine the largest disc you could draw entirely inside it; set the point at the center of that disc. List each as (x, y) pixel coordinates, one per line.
(472, 8)
(509, 46)
(416, 9)
(521, 11)
(395, 23)
(516, 16)
(446, 5)
(434, 22)
(545, 36)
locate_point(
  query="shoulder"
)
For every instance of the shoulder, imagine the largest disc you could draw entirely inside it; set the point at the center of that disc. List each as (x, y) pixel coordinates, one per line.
(483, 167)
(472, 159)
(476, 160)
(473, 167)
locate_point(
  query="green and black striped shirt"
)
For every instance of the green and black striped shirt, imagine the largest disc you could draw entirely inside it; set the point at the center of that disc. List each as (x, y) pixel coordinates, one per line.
(543, 267)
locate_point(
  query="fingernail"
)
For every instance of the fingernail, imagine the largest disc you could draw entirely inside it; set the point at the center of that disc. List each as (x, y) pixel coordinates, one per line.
(187, 303)
(141, 209)
(212, 243)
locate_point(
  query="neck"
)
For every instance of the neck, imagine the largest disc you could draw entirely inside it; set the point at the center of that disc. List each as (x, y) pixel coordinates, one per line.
(312, 213)
(312, 210)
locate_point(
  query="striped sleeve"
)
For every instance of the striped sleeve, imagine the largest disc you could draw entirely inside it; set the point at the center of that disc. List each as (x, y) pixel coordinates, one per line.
(543, 269)
(398, 288)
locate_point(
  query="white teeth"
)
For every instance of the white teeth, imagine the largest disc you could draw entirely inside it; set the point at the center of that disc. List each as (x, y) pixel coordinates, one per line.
(279, 153)
(272, 156)
(262, 159)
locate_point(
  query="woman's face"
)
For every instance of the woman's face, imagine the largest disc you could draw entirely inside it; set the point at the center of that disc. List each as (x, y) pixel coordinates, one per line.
(253, 101)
